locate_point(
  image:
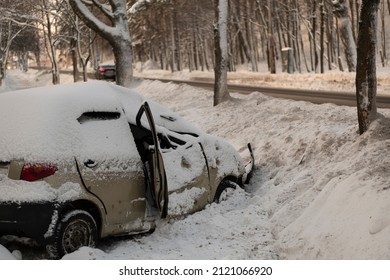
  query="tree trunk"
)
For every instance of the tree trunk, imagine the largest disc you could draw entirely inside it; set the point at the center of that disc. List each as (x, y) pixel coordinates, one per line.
(221, 92)
(351, 6)
(384, 54)
(366, 83)
(50, 43)
(271, 41)
(341, 11)
(243, 43)
(314, 34)
(322, 36)
(175, 39)
(330, 40)
(123, 61)
(251, 37)
(117, 34)
(2, 73)
(73, 46)
(85, 77)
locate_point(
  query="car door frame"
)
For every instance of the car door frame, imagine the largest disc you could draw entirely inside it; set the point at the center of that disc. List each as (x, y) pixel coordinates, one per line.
(158, 179)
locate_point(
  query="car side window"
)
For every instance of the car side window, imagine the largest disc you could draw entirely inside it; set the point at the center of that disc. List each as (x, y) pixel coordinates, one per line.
(170, 142)
(143, 138)
(106, 136)
(95, 116)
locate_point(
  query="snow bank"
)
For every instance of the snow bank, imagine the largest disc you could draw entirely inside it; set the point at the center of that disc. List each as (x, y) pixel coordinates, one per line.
(5, 254)
(348, 216)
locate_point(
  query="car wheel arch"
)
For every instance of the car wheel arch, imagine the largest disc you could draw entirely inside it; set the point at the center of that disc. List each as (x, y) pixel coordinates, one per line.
(85, 205)
(217, 190)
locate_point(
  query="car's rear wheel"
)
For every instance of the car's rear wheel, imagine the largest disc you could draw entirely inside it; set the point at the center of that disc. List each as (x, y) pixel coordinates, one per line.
(225, 190)
(77, 228)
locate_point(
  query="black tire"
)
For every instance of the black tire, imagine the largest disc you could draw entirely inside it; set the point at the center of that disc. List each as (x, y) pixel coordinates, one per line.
(224, 187)
(77, 228)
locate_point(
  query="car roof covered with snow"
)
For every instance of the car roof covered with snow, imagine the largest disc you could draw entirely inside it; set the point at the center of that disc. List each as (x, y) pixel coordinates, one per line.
(40, 123)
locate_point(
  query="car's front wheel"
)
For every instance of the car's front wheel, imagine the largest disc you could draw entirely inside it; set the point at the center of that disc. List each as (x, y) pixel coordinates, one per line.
(77, 228)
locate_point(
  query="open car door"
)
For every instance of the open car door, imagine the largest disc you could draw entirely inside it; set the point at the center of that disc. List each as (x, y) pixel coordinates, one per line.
(157, 181)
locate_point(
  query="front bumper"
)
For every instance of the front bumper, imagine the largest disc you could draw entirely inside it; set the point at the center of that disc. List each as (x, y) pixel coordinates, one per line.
(35, 220)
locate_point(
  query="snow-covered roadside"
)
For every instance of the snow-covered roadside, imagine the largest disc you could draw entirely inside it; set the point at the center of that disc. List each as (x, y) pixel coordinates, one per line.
(320, 191)
(304, 153)
(312, 192)
(16, 79)
(334, 80)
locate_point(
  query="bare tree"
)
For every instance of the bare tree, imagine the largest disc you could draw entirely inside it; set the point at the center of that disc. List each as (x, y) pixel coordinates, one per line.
(116, 32)
(77, 37)
(366, 83)
(271, 40)
(12, 23)
(221, 92)
(25, 42)
(49, 21)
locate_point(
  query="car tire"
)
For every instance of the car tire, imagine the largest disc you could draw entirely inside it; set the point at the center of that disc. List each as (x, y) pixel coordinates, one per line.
(224, 190)
(77, 228)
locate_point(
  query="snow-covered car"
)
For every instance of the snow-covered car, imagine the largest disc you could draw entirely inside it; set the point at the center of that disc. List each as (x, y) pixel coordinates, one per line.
(86, 161)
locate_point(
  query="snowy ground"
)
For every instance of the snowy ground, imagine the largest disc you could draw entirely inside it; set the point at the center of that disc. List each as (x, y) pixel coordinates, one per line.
(320, 191)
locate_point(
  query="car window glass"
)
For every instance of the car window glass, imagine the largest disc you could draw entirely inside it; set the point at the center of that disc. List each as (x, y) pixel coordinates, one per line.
(94, 116)
(106, 136)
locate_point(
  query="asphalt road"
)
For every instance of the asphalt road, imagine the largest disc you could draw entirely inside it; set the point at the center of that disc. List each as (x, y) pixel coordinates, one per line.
(317, 97)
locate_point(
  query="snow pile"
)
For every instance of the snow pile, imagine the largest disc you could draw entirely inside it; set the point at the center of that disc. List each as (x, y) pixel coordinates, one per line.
(22, 191)
(320, 191)
(348, 214)
(5, 254)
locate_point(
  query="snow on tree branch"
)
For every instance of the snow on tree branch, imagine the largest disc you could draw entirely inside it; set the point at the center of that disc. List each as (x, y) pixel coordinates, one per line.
(82, 10)
(141, 5)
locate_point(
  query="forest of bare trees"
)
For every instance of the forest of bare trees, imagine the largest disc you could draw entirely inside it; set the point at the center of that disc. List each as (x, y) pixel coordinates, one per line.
(292, 35)
(316, 35)
(321, 34)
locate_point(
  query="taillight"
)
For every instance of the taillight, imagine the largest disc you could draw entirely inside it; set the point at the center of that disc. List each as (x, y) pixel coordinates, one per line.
(35, 171)
(102, 70)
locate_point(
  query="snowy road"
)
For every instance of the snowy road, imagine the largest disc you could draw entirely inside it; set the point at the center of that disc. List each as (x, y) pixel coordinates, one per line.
(313, 96)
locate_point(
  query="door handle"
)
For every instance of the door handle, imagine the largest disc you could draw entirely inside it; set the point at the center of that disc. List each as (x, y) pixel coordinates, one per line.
(90, 163)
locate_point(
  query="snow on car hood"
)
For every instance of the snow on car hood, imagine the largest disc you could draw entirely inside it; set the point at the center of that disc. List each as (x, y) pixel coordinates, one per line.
(220, 154)
(163, 117)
